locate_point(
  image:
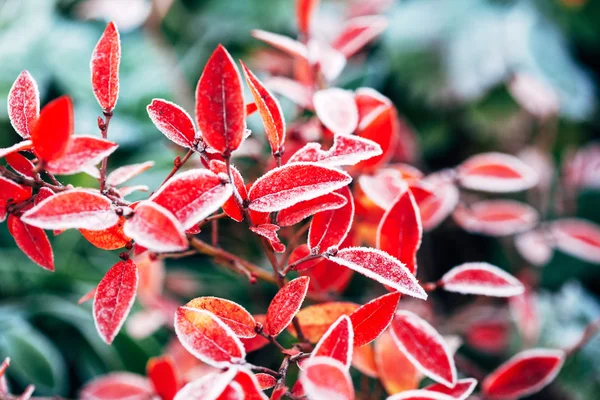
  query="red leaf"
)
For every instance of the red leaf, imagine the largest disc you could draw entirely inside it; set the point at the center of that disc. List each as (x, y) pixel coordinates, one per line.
(294, 91)
(424, 347)
(163, 376)
(524, 374)
(114, 297)
(330, 228)
(232, 314)
(381, 126)
(436, 209)
(496, 217)
(400, 232)
(24, 145)
(304, 14)
(337, 343)
(173, 121)
(489, 336)
(285, 186)
(192, 196)
(209, 387)
(363, 359)
(21, 164)
(382, 267)
(384, 187)
(299, 253)
(299, 211)
(269, 232)
(220, 110)
(327, 277)
(326, 378)
(32, 241)
(266, 381)
(24, 104)
(207, 337)
(73, 209)
(155, 228)
(496, 172)
(420, 394)
(231, 207)
(462, 390)
(118, 385)
(357, 33)
(370, 320)
(105, 68)
(269, 109)
(481, 278)
(13, 191)
(577, 237)
(125, 173)
(54, 127)
(108, 239)
(81, 151)
(283, 43)
(337, 110)
(285, 305)
(346, 150)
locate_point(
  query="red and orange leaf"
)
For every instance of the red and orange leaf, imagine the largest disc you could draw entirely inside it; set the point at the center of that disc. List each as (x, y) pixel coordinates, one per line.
(304, 13)
(326, 378)
(481, 278)
(73, 209)
(269, 232)
(24, 104)
(249, 384)
(232, 314)
(363, 359)
(462, 390)
(524, 374)
(114, 297)
(370, 320)
(231, 207)
(337, 110)
(304, 209)
(290, 184)
(24, 145)
(287, 45)
(108, 239)
(125, 173)
(346, 150)
(209, 387)
(173, 121)
(496, 217)
(220, 111)
(266, 381)
(396, 373)
(162, 373)
(155, 228)
(578, 238)
(81, 151)
(32, 241)
(357, 33)
(21, 165)
(13, 191)
(316, 319)
(104, 65)
(381, 126)
(337, 343)
(330, 228)
(118, 385)
(54, 127)
(424, 347)
(285, 305)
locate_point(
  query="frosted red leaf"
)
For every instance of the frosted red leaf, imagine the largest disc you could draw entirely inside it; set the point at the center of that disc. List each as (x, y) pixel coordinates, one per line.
(424, 347)
(155, 228)
(294, 91)
(304, 209)
(369, 99)
(328, 277)
(534, 246)
(269, 109)
(290, 184)
(173, 121)
(208, 387)
(108, 239)
(489, 336)
(330, 228)
(304, 13)
(207, 337)
(192, 196)
(24, 145)
(524, 374)
(21, 165)
(337, 110)
(287, 45)
(285, 305)
(578, 238)
(266, 381)
(496, 217)
(13, 191)
(301, 252)
(232, 314)
(370, 320)
(420, 394)
(231, 207)
(346, 150)
(496, 172)
(435, 210)
(462, 389)
(32, 241)
(481, 278)
(114, 297)
(326, 378)
(358, 32)
(383, 187)
(381, 267)
(269, 232)
(73, 209)
(117, 385)
(220, 110)
(363, 359)
(316, 319)
(24, 104)
(400, 232)
(162, 373)
(249, 384)
(54, 127)
(81, 151)
(125, 173)
(381, 126)
(396, 373)
(104, 65)
(337, 343)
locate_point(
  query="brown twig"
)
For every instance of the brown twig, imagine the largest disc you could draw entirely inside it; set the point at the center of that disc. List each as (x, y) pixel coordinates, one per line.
(103, 125)
(177, 164)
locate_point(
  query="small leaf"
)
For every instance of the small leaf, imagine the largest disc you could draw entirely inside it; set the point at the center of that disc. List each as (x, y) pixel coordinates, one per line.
(462, 389)
(346, 150)
(384, 187)
(435, 210)
(481, 278)
(232, 314)
(108, 239)
(32, 241)
(496, 217)
(125, 173)
(299, 211)
(269, 232)
(155, 228)
(535, 247)
(337, 343)
(299, 253)
(358, 32)
(104, 65)
(326, 378)
(231, 207)
(173, 121)
(330, 228)
(285, 305)
(577, 237)
(50, 136)
(257, 342)
(370, 320)
(283, 43)
(24, 104)
(337, 110)
(266, 381)
(81, 151)
(117, 385)
(163, 376)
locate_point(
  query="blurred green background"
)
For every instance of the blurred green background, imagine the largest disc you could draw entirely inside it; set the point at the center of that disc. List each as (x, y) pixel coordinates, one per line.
(445, 64)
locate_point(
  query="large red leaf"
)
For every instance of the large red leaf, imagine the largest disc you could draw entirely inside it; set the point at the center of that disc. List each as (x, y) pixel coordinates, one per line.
(117, 386)
(81, 151)
(315, 320)
(290, 184)
(163, 376)
(207, 337)
(54, 127)
(346, 150)
(462, 389)
(24, 104)
(192, 196)
(105, 68)
(370, 320)
(381, 267)
(357, 33)
(577, 237)
(304, 12)
(337, 343)
(299, 211)
(326, 277)
(114, 297)
(73, 209)
(330, 228)
(424, 347)
(125, 173)
(337, 110)
(155, 228)
(13, 191)
(173, 121)
(32, 241)
(232, 314)
(524, 374)
(209, 387)
(269, 109)
(269, 232)
(283, 43)
(220, 110)
(231, 206)
(481, 278)
(496, 172)
(496, 217)
(326, 378)
(400, 232)
(285, 305)
(108, 239)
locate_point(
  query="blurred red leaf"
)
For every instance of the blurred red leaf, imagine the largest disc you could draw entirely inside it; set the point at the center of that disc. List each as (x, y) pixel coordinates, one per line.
(578, 238)
(125, 173)
(481, 278)
(249, 384)
(383, 187)
(300, 252)
(304, 13)
(462, 390)
(358, 32)
(330, 228)
(173, 121)
(105, 68)
(435, 210)
(231, 207)
(209, 387)
(232, 314)
(381, 126)
(269, 232)
(163, 376)
(370, 320)
(363, 359)
(294, 91)
(81, 151)
(535, 247)
(396, 373)
(326, 378)
(337, 343)
(488, 336)
(327, 277)
(24, 104)
(117, 385)
(496, 217)
(32, 241)
(280, 42)
(337, 110)
(304, 209)
(346, 150)
(285, 305)
(54, 127)
(155, 228)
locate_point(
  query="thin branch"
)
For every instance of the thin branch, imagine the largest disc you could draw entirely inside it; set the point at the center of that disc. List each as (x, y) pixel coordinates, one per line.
(103, 125)
(177, 164)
